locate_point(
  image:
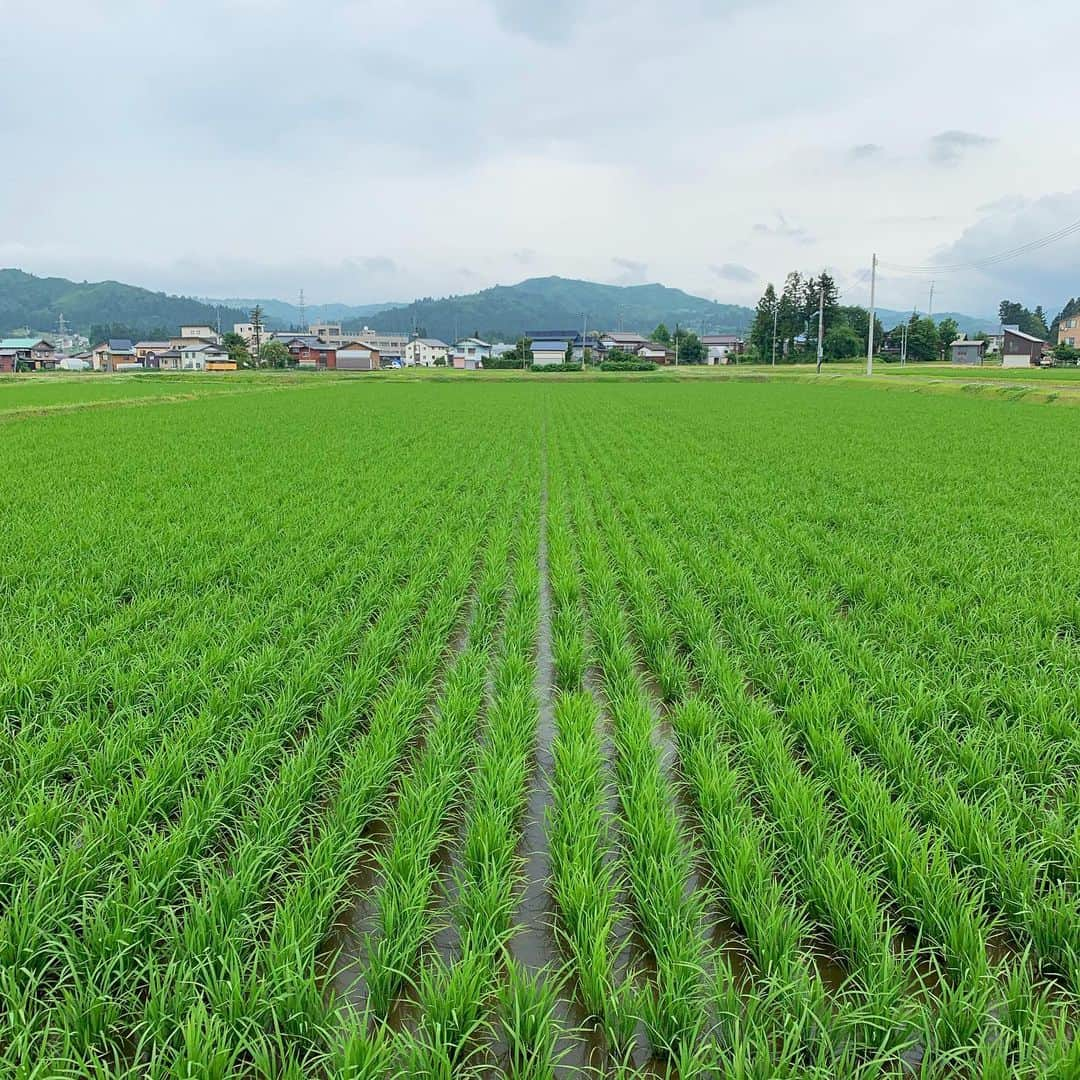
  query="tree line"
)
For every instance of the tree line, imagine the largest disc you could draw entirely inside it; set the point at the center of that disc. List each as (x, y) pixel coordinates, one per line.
(785, 325)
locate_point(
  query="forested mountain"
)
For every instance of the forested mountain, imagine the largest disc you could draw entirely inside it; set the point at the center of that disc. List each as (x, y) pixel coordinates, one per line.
(282, 313)
(555, 303)
(502, 312)
(37, 303)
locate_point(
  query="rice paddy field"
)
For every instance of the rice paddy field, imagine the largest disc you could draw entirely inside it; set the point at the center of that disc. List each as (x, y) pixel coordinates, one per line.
(533, 729)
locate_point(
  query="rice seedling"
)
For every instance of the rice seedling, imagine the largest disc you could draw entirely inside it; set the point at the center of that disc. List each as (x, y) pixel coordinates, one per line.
(803, 678)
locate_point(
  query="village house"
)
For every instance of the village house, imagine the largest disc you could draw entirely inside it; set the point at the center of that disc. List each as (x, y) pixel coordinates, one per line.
(624, 342)
(204, 357)
(722, 348)
(656, 352)
(1069, 331)
(425, 352)
(549, 353)
(114, 355)
(144, 350)
(471, 349)
(1019, 349)
(26, 354)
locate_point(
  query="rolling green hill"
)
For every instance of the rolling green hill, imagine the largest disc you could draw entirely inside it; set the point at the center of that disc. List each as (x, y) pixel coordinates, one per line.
(37, 303)
(555, 303)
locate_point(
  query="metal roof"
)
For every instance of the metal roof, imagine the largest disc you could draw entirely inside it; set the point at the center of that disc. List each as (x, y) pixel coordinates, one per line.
(967, 341)
(1026, 337)
(23, 342)
(549, 346)
(435, 343)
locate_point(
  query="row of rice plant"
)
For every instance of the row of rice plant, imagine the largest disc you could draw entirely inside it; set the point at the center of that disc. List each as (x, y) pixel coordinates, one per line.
(280, 1007)
(789, 1018)
(583, 863)
(104, 958)
(456, 997)
(656, 848)
(421, 820)
(987, 838)
(156, 785)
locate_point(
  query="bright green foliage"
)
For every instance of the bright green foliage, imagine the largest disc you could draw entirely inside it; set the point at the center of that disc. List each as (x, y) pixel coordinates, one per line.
(271, 657)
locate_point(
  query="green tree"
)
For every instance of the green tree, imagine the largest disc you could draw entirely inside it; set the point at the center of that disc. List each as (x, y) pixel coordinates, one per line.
(1039, 322)
(1066, 354)
(842, 343)
(922, 339)
(791, 309)
(761, 332)
(274, 354)
(661, 334)
(569, 357)
(948, 331)
(691, 351)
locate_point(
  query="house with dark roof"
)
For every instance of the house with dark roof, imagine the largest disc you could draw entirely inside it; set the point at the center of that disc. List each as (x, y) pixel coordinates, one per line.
(109, 355)
(26, 354)
(722, 348)
(1019, 349)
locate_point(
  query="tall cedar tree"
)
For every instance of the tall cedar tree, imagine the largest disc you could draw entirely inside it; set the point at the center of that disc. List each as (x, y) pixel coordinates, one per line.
(761, 333)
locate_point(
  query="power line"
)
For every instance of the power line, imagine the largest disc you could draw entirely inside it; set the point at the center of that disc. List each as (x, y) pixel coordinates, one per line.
(990, 260)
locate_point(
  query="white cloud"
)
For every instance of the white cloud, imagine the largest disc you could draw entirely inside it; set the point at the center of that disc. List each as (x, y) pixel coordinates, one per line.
(504, 138)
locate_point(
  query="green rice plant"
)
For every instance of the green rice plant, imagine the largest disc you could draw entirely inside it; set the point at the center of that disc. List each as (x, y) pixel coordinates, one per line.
(527, 1013)
(656, 850)
(420, 821)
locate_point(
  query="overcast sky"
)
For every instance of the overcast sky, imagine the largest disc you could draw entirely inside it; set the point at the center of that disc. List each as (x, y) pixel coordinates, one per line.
(370, 151)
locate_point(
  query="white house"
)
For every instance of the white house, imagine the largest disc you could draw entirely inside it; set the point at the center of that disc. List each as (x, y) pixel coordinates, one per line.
(722, 348)
(196, 357)
(425, 352)
(548, 353)
(472, 348)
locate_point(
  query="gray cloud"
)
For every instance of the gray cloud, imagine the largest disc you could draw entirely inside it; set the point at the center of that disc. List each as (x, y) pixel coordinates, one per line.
(948, 147)
(544, 21)
(1044, 276)
(633, 272)
(784, 230)
(373, 264)
(863, 151)
(741, 275)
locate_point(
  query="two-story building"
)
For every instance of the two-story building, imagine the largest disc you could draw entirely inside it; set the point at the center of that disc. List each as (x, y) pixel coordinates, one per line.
(114, 354)
(722, 348)
(26, 354)
(426, 352)
(1069, 331)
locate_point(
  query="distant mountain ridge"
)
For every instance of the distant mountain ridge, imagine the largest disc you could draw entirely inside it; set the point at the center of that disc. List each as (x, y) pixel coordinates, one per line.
(38, 303)
(968, 324)
(556, 303)
(504, 311)
(281, 312)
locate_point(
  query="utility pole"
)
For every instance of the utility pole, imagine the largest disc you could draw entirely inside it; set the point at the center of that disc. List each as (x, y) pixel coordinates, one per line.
(584, 336)
(676, 344)
(775, 315)
(870, 329)
(820, 328)
(303, 314)
(930, 313)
